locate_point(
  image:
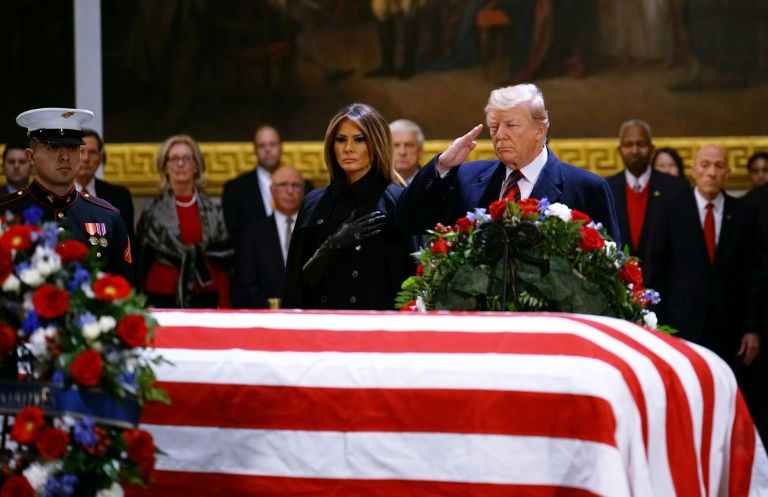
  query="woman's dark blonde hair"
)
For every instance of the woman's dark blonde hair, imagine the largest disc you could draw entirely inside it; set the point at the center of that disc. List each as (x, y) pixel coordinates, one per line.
(378, 138)
(197, 156)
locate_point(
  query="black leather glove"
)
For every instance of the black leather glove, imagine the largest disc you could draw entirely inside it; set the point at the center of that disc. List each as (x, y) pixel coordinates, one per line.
(351, 232)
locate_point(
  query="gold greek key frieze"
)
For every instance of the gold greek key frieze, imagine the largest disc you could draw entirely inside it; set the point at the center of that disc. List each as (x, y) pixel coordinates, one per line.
(133, 164)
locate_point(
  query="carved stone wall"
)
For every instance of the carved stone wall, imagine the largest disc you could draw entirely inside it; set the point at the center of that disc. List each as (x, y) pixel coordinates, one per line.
(133, 165)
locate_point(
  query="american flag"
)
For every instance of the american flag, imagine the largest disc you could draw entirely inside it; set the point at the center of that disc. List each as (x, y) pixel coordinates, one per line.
(444, 404)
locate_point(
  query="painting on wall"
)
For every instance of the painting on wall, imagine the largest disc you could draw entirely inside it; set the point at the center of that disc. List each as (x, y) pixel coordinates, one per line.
(217, 68)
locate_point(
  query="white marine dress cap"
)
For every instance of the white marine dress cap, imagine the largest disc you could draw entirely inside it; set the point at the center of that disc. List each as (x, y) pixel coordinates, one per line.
(55, 125)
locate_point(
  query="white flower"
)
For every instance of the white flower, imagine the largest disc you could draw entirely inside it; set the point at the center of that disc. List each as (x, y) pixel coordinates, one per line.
(38, 473)
(31, 277)
(114, 491)
(610, 248)
(420, 306)
(11, 284)
(46, 261)
(38, 342)
(87, 290)
(64, 422)
(107, 323)
(560, 210)
(91, 331)
(650, 320)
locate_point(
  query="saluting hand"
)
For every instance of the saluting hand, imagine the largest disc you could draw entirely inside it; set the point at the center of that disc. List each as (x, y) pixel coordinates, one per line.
(459, 150)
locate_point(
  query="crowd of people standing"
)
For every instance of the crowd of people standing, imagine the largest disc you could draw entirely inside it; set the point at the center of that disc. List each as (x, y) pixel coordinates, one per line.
(274, 241)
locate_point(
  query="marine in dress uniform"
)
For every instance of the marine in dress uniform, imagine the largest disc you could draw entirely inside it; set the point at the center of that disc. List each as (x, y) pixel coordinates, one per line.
(55, 137)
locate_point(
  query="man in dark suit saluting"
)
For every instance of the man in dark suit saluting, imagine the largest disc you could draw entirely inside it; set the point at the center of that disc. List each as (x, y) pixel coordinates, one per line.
(261, 254)
(446, 188)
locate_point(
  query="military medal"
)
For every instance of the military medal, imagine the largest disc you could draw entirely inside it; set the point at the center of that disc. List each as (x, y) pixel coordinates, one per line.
(94, 229)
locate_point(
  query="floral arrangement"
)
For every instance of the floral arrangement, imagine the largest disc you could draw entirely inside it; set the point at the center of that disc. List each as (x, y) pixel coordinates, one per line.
(74, 368)
(528, 255)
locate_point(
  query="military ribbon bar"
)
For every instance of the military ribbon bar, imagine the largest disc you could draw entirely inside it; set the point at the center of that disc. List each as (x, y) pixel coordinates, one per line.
(94, 229)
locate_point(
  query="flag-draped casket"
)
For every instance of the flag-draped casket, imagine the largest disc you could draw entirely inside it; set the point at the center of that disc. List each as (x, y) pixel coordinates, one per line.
(444, 404)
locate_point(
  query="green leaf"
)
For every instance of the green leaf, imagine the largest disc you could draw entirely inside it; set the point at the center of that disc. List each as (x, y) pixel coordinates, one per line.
(452, 301)
(470, 280)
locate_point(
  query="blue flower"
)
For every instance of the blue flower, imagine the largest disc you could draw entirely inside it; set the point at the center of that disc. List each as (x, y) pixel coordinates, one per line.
(85, 318)
(84, 433)
(62, 485)
(128, 380)
(543, 206)
(58, 377)
(50, 234)
(31, 323)
(79, 276)
(32, 215)
(652, 296)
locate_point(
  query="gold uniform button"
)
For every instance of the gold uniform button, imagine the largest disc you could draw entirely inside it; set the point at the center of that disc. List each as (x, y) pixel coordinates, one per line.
(98, 254)
(19, 192)
(60, 215)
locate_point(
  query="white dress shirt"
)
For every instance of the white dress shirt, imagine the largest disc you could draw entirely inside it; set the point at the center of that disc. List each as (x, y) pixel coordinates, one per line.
(91, 187)
(280, 223)
(530, 173)
(717, 210)
(638, 184)
(265, 181)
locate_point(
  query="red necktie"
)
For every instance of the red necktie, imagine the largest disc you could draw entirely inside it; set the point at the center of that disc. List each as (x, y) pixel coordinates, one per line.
(511, 189)
(709, 232)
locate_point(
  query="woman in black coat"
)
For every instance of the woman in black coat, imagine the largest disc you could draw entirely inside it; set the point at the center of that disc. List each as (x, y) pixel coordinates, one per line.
(345, 251)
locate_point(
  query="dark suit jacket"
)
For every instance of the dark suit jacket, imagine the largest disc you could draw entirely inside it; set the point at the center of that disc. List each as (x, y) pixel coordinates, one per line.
(242, 203)
(120, 198)
(711, 304)
(430, 199)
(259, 266)
(660, 185)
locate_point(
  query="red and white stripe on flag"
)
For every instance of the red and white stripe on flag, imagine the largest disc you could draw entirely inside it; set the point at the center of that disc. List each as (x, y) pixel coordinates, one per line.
(382, 404)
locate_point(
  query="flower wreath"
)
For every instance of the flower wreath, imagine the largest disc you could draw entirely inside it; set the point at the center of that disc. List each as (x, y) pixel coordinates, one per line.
(74, 368)
(528, 255)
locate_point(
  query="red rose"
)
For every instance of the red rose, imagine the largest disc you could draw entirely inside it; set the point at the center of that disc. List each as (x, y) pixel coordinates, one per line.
(17, 237)
(529, 207)
(631, 273)
(497, 208)
(52, 443)
(140, 448)
(133, 330)
(50, 301)
(71, 250)
(580, 216)
(420, 270)
(440, 247)
(465, 225)
(409, 306)
(6, 263)
(590, 239)
(27, 425)
(7, 340)
(111, 287)
(86, 368)
(17, 486)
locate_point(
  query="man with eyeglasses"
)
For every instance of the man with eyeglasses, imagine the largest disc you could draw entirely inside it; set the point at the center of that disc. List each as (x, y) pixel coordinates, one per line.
(263, 249)
(55, 137)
